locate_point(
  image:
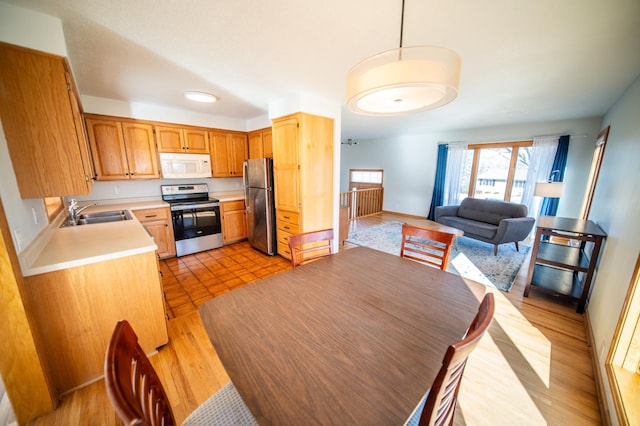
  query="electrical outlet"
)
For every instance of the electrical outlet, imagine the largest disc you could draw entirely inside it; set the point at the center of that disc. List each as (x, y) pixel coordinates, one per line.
(603, 347)
(35, 215)
(17, 234)
(116, 189)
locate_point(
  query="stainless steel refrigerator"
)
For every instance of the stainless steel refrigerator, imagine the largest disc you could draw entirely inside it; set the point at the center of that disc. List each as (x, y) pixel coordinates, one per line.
(259, 201)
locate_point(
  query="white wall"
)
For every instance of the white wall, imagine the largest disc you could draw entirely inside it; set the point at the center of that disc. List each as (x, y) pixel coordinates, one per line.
(616, 208)
(143, 111)
(409, 161)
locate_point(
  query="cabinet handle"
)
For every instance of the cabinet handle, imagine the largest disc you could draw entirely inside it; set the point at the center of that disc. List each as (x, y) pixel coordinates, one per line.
(286, 227)
(151, 215)
(286, 217)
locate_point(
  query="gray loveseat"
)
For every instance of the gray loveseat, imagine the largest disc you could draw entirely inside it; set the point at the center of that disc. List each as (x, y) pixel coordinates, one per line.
(494, 222)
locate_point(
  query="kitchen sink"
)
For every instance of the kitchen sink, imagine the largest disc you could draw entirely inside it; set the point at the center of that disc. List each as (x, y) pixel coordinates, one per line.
(101, 217)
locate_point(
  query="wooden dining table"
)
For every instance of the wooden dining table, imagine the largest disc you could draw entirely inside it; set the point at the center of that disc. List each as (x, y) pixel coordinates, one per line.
(353, 338)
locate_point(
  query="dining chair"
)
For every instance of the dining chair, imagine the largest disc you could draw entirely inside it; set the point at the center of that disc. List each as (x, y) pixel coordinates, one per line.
(439, 404)
(309, 246)
(425, 245)
(137, 395)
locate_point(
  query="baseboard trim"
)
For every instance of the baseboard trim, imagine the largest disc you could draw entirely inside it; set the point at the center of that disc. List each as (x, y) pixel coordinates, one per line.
(597, 372)
(412, 216)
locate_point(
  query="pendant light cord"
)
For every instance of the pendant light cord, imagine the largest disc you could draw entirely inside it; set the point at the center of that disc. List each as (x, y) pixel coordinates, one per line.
(401, 24)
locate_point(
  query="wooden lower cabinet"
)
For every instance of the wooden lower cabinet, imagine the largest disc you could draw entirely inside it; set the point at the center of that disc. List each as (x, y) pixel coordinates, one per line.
(287, 224)
(158, 223)
(76, 310)
(234, 221)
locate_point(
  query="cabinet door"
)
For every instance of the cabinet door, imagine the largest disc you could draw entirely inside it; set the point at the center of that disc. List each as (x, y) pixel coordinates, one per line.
(142, 156)
(109, 153)
(38, 124)
(256, 149)
(196, 141)
(267, 142)
(157, 222)
(285, 165)
(220, 154)
(81, 131)
(159, 230)
(170, 139)
(239, 153)
(234, 226)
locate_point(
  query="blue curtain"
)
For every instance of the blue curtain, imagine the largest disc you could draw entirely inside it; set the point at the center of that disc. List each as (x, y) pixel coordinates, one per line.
(550, 205)
(438, 186)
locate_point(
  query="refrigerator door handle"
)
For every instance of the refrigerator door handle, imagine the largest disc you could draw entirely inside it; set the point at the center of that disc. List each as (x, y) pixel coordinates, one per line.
(245, 167)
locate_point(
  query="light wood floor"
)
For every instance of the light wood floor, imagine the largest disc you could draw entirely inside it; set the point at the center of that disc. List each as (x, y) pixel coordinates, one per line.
(532, 368)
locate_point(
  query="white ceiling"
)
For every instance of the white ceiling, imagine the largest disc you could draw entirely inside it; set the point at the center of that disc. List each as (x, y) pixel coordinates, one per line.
(522, 61)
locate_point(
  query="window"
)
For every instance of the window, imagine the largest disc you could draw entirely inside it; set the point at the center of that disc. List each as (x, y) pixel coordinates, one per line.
(623, 361)
(365, 178)
(499, 170)
(598, 155)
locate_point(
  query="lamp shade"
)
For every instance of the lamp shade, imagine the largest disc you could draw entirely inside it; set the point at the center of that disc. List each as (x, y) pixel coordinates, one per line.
(548, 189)
(404, 80)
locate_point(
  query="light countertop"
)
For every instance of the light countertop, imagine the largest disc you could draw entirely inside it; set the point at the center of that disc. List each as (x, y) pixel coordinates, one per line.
(61, 248)
(228, 196)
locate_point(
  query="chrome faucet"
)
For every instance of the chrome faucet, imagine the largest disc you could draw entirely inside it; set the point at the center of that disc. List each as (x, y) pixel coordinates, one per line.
(74, 211)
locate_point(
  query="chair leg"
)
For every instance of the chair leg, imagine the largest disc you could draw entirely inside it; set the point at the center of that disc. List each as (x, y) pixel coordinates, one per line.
(517, 248)
(495, 249)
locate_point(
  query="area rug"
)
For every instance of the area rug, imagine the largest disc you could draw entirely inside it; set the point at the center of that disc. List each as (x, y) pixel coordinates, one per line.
(469, 258)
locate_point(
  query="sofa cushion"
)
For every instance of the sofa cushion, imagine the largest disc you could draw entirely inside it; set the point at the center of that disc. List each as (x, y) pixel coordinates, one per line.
(474, 227)
(489, 211)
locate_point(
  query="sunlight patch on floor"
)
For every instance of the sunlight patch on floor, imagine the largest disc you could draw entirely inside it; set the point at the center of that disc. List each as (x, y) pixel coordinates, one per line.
(467, 269)
(480, 404)
(533, 346)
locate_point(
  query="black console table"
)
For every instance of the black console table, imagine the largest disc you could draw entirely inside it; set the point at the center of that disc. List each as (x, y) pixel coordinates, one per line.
(564, 270)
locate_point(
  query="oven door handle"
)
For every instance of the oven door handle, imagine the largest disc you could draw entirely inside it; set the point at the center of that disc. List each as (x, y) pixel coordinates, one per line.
(194, 206)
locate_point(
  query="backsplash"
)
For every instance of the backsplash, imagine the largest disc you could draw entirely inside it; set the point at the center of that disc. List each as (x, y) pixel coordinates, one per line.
(151, 188)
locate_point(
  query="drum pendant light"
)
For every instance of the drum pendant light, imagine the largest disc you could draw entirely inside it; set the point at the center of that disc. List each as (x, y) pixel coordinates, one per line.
(404, 80)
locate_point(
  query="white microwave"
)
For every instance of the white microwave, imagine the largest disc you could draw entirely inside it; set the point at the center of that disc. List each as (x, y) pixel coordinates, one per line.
(187, 166)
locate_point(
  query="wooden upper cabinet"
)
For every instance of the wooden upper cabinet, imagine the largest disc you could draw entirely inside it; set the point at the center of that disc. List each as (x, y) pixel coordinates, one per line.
(196, 141)
(228, 152)
(267, 142)
(122, 150)
(182, 140)
(260, 145)
(142, 155)
(256, 149)
(40, 119)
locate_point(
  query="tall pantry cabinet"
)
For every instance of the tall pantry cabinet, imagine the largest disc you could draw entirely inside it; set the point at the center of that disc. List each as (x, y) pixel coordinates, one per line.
(303, 175)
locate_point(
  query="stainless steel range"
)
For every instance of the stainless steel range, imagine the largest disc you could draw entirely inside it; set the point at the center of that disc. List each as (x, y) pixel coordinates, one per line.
(195, 216)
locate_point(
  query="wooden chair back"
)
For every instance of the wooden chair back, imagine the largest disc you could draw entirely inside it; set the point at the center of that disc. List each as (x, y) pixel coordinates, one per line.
(133, 386)
(309, 246)
(420, 244)
(440, 405)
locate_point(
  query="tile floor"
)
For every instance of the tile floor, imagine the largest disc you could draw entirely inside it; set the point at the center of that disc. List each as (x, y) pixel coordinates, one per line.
(191, 280)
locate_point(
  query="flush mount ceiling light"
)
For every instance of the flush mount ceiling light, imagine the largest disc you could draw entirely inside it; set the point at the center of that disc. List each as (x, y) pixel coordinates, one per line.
(403, 80)
(200, 97)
